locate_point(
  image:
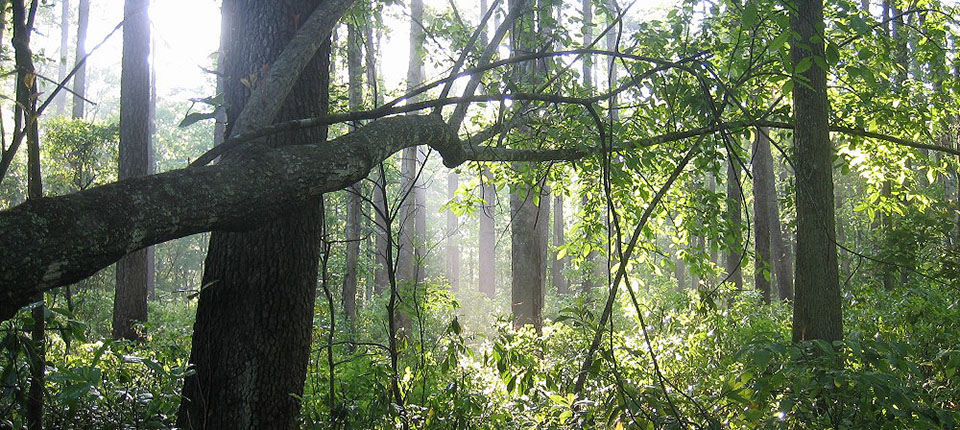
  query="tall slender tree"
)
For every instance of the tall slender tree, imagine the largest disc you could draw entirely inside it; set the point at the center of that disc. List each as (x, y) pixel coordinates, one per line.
(353, 194)
(25, 125)
(764, 203)
(134, 273)
(250, 364)
(452, 233)
(80, 78)
(487, 237)
(735, 255)
(817, 310)
(61, 100)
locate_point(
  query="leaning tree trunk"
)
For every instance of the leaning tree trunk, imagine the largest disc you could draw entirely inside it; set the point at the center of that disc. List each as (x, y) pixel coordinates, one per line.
(817, 309)
(251, 341)
(134, 271)
(80, 78)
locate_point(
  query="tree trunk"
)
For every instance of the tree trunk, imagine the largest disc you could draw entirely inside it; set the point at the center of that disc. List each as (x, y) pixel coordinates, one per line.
(453, 239)
(250, 365)
(559, 279)
(526, 296)
(61, 100)
(25, 118)
(353, 194)
(783, 246)
(543, 230)
(817, 309)
(133, 272)
(80, 78)
(735, 256)
(381, 278)
(487, 236)
(764, 201)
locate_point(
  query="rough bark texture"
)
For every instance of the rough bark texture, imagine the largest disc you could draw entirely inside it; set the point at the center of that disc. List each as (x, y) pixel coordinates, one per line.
(251, 340)
(559, 279)
(487, 256)
(526, 297)
(734, 258)
(453, 238)
(817, 309)
(134, 274)
(80, 78)
(764, 202)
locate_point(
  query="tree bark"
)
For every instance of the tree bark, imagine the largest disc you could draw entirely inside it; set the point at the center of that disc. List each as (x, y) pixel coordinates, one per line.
(134, 274)
(25, 118)
(526, 296)
(355, 84)
(487, 263)
(735, 255)
(817, 309)
(251, 340)
(80, 78)
(453, 237)
(61, 100)
(764, 203)
(559, 279)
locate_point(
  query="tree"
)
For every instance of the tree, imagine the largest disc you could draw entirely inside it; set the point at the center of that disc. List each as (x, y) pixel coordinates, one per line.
(453, 241)
(735, 255)
(764, 204)
(817, 309)
(559, 279)
(135, 271)
(80, 78)
(352, 236)
(61, 100)
(487, 236)
(527, 230)
(26, 125)
(247, 360)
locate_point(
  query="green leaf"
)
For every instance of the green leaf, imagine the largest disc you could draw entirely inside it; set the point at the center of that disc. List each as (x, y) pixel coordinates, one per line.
(195, 117)
(750, 15)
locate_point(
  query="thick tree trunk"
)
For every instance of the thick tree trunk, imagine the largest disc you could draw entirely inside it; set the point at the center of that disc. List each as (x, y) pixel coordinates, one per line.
(559, 264)
(487, 236)
(735, 256)
(80, 78)
(764, 201)
(251, 363)
(134, 274)
(817, 309)
(453, 238)
(527, 278)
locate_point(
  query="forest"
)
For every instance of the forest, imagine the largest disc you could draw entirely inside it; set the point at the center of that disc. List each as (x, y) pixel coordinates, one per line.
(504, 214)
